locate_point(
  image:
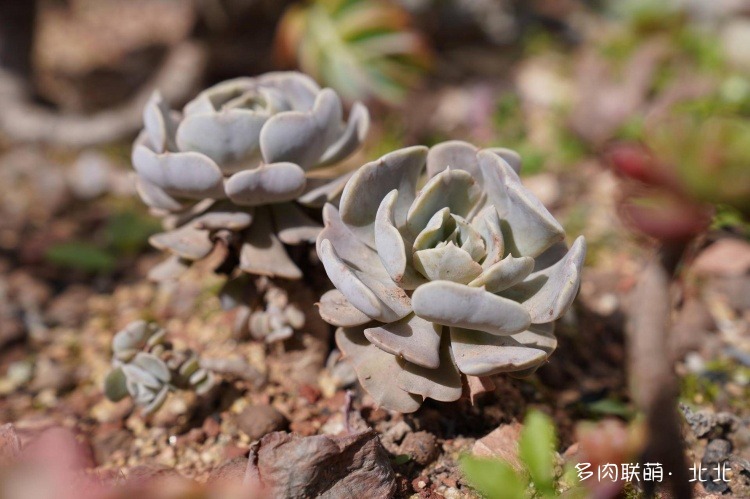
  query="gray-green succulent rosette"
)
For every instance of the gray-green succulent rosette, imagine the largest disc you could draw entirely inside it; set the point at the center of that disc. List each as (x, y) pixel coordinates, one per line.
(147, 368)
(237, 166)
(463, 277)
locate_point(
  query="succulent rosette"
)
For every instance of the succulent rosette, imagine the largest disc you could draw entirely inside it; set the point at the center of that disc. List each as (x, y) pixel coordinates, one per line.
(236, 165)
(463, 277)
(146, 367)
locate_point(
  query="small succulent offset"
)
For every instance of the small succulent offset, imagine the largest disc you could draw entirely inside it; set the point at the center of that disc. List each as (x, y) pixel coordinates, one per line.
(146, 367)
(464, 276)
(275, 321)
(235, 167)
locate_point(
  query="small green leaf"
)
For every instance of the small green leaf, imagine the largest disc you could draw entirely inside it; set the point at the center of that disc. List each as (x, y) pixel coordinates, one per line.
(610, 407)
(492, 478)
(81, 255)
(537, 450)
(127, 232)
(401, 459)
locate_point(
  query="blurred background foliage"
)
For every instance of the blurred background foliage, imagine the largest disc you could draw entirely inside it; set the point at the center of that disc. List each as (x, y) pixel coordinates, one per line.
(559, 81)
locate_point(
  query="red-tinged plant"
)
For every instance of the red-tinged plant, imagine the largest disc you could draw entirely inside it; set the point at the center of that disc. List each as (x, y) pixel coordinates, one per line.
(653, 201)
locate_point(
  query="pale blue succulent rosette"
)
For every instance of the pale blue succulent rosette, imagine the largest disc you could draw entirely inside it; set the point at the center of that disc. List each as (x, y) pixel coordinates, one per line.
(237, 165)
(145, 367)
(463, 276)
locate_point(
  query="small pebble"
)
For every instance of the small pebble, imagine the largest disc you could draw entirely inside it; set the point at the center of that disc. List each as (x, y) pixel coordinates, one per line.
(258, 420)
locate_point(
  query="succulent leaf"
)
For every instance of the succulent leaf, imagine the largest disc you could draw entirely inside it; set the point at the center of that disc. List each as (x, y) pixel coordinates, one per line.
(225, 137)
(267, 184)
(366, 189)
(115, 387)
(188, 175)
(480, 354)
(412, 338)
(336, 310)
(263, 253)
(453, 304)
(528, 228)
(376, 370)
(443, 383)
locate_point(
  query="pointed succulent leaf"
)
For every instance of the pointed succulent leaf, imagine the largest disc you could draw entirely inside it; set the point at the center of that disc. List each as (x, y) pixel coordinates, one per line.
(509, 156)
(481, 354)
(550, 292)
(442, 383)
(388, 241)
(336, 310)
(293, 226)
(189, 367)
(155, 197)
(376, 371)
(352, 137)
(380, 300)
(470, 240)
(487, 224)
(454, 154)
(411, 338)
(186, 242)
(372, 182)
(448, 263)
(272, 183)
(319, 191)
(262, 253)
(528, 228)
(348, 246)
(454, 189)
(539, 336)
(504, 274)
(391, 247)
(159, 124)
(440, 225)
(453, 304)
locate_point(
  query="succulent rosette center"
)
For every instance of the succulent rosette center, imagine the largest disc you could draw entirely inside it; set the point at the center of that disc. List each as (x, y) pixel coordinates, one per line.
(464, 276)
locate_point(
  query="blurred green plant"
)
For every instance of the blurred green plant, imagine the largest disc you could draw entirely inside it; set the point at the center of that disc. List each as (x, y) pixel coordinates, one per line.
(364, 49)
(708, 150)
(125, 233)
(496, 479)
(610, 407)
(81, 255)
(511, 132)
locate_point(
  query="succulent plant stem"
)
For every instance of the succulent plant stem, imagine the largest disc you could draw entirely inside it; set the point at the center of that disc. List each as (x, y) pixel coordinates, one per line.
(651, 367)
